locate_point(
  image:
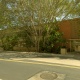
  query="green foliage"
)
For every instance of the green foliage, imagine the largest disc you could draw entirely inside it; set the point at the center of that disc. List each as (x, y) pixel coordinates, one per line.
(26, 37)
(50, 40)
(24, 12)
(19, 13)
(8, 42)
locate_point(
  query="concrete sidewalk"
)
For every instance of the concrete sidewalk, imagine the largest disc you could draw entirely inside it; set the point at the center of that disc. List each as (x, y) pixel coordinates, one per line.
(67, 59)
(56, 60)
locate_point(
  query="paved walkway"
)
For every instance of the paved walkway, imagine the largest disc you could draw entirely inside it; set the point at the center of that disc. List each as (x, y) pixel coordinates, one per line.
(72, 62)
(68, 59)
(60, 61)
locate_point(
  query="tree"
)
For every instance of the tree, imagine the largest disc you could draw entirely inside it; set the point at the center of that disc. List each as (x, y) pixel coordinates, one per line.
(50, 38)
(28, 12)
(8, 40)
(34, 13)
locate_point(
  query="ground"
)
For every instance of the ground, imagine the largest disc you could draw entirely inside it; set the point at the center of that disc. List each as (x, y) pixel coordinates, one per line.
(24, 65)
(18, 54)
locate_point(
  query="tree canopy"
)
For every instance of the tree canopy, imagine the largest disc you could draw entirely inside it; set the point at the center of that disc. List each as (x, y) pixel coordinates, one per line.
(32, 12)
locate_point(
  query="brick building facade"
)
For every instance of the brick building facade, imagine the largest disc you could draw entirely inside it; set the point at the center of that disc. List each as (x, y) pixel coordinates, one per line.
(71, 31)
(70, 28)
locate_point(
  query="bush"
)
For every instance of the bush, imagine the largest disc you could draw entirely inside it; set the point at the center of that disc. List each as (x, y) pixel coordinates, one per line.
(50, 39)
(8, 42)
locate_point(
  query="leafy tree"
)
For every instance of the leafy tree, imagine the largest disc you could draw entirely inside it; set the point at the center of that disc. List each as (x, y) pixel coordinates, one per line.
(9, 42)
(26, 37)
(31, 12)
(50, 38)
(8, 39)
(36, 13)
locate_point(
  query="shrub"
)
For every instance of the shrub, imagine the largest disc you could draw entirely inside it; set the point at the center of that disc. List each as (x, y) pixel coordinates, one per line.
(50, 39)
(8, 42)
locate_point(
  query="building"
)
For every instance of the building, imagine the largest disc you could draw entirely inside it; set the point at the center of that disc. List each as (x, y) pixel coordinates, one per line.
(71, 31)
